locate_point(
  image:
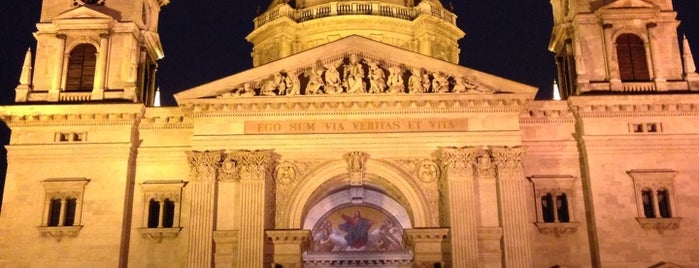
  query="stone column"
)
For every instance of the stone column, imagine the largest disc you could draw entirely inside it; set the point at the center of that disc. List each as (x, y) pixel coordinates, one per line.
(460, 204)
(429, 246)
(101, 68)
(256, 193)
(289, 245)
(204, 166)
(513, 206)
(489, 231)
(58, 68)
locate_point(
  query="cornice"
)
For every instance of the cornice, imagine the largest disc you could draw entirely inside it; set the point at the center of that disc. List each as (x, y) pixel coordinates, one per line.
(547, 112)
(356, 105)
(635, 106)
(71, 115)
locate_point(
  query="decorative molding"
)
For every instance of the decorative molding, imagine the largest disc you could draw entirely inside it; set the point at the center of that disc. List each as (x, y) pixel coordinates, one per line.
(250, 165)
(203, 165)
(356, 161)
(59, 232)
(158, 234)
(557, 228)
(428, 171)
(664, 108)
(425, 235)
(458, 162)
(508, 161)
(70, 119)
(332, 105)
(161, 122)
(659, 224)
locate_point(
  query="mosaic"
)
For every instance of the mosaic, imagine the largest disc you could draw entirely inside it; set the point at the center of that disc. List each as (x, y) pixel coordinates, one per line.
(357, 228)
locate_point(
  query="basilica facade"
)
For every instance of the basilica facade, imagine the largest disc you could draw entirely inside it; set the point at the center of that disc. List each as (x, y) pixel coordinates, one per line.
(356, 140)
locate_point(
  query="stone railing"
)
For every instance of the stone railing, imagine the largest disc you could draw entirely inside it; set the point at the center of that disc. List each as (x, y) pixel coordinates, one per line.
(353, 8)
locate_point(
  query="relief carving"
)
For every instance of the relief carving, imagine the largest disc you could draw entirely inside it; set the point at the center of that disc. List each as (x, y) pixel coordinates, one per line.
(485, 169)
(252, 165)
(458, 162)
(355, 74)
(356, 161)
(428, 171)
(509, 161)
(203, 165)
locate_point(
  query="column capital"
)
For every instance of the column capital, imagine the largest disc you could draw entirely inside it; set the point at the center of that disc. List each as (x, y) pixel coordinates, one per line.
(458, 161)
(248, 165)
(203, 165)
(508, 157)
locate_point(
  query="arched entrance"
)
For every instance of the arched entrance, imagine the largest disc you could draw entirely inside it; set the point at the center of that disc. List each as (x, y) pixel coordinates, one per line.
(357, 232)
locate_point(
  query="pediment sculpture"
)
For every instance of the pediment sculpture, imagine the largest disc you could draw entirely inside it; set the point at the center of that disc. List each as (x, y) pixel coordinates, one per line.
(355, 73)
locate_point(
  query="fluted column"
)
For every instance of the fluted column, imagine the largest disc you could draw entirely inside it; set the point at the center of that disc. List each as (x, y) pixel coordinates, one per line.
(256, 193)
(513, 206)
(460, 201)
(204, 166)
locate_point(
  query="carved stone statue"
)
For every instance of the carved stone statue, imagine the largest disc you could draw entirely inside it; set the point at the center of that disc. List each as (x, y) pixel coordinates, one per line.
(462, 85)
(425, 82)
(354, 75)
(247, 90)
(315, 81)
(332, 79)
(356, 161)
(415, 81)
(440, 84)
(271, 84)
(377, 78)
(293, 85)
(395, 80)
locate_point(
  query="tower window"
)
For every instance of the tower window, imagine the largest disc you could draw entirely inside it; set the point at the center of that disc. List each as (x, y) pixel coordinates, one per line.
(81, 68)
(655, 199)
(554, 208)
(62, 209)
(161, 213)
(631, 55)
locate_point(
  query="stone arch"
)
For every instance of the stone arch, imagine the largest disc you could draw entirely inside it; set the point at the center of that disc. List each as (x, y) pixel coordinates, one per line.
(298, 205)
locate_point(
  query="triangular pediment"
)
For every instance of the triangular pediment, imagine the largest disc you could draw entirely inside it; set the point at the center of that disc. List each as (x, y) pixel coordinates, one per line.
(629, 4)
(84, 12)
(383, 70)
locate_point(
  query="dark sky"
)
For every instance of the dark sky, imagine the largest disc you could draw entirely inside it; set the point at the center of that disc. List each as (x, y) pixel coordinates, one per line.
(204, 40)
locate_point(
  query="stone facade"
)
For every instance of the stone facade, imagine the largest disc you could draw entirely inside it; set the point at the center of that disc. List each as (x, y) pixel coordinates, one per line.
(354, 152)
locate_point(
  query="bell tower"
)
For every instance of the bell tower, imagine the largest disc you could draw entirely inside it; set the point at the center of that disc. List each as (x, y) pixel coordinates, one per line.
(619, 46)
(94, 50)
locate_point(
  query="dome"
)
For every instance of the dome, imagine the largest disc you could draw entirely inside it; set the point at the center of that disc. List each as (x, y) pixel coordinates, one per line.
(290, 26)
(310, 3)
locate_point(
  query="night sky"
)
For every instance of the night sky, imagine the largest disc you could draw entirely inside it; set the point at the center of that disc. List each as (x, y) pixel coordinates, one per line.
(205, 40)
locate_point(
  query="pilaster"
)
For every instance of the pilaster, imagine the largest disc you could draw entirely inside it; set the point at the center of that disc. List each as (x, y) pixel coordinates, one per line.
(513, 207)
(255, 173)
(203, 170)
(458, 186)
(429, 245)
(289, 245)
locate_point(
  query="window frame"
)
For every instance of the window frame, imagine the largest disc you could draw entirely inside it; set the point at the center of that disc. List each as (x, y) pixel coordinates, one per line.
(62, 190)
(653, 181)
(554, 186)
(161, 191)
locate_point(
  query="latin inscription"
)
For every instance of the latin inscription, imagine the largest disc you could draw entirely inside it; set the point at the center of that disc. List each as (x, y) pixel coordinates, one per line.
(355, 126)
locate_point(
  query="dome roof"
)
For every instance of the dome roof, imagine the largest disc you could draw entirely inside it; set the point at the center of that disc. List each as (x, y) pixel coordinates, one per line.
(310, 3)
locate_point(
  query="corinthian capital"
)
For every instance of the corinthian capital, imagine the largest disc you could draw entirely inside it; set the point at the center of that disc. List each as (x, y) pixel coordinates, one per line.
(458, 161)
(252, 165)
(508, 159)
(203, 165)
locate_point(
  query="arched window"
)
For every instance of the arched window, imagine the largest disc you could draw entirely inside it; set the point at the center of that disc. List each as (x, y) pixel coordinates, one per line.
(647, 197)
(81, 68)
(54, 212)
(631, 55)
(153, 213)
(161, 214)
(547, 208)
(562, 208)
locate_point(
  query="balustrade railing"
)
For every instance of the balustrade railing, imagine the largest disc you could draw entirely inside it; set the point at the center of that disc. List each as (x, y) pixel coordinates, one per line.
(352, 8)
